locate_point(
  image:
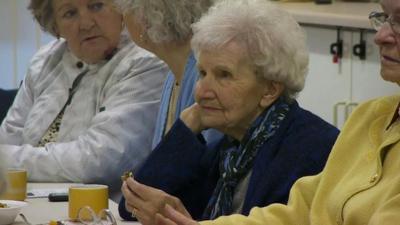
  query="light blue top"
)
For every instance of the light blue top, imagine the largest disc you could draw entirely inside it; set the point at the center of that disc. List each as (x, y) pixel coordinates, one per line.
(185, 99)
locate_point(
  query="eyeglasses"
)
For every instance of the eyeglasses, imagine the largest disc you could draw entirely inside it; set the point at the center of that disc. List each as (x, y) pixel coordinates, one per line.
(87, 216)
(378, 19)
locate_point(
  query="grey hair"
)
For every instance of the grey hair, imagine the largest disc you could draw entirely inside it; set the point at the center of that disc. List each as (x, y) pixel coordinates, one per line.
(164, 20)
(42, 11)
(274, 41)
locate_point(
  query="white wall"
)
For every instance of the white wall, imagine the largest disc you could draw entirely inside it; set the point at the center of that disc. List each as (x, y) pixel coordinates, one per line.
(20, 37)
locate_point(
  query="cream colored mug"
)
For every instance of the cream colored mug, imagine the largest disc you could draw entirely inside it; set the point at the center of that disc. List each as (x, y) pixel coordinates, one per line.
(16, 185)
(91, 195)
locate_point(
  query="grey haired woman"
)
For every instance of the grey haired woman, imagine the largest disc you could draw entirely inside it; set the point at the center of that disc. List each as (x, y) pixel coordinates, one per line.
(164, 28)
(88, 101)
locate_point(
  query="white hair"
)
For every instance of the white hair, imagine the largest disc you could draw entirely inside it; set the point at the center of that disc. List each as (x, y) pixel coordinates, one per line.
(274, 41)
(165, 20)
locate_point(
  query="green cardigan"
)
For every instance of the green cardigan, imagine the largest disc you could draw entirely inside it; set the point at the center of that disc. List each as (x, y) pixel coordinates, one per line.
(360, 184)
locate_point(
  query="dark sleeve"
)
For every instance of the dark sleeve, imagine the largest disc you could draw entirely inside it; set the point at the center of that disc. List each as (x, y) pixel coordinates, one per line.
(6, 100)
(123, 213)
(180, 165)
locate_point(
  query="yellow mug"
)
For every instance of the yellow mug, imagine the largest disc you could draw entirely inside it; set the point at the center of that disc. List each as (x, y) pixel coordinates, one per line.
(16, 185)
(92, 195)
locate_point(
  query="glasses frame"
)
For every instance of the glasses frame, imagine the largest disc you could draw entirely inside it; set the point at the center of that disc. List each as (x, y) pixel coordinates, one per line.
(97, 217)
(375, 19)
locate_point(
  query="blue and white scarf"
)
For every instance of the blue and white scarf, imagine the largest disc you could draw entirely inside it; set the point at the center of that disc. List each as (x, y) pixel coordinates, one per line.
(236, 162)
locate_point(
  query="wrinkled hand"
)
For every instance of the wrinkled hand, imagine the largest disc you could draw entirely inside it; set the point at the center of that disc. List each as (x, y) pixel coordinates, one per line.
(191, 116)
(145, 201)
(174, 217)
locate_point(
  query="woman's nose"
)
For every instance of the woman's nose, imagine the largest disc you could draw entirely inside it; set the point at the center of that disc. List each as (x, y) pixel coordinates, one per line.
(385, 35)
(205, 88)
(86, 20)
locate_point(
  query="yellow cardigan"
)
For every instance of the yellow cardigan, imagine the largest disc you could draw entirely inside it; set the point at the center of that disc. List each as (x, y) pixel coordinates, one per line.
(360, 184)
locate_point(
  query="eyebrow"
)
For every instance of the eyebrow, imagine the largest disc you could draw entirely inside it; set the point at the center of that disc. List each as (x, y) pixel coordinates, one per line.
(219, 67)
(62, 6)
(223, 68)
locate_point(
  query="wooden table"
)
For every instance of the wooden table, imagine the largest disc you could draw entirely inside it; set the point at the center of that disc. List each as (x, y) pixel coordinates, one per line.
(40, 210)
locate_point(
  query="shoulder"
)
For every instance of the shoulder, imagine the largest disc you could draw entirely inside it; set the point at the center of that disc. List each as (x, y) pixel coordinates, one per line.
(48, 56)
(131, 55)
(191, 73)
(53, 49)
(305, 136)
(380, 109)
(304, 121)
(378, 106)
(134, 60)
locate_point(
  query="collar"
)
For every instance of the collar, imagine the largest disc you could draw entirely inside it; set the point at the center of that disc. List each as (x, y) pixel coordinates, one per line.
(74, 63)
(395, 117)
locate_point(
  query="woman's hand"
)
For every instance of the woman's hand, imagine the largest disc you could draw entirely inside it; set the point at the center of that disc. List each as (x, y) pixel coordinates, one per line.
(173, 217)
(192, 118)
(144, 202)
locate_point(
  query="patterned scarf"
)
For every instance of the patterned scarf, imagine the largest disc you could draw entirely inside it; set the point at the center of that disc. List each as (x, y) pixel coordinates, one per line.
(235, 162)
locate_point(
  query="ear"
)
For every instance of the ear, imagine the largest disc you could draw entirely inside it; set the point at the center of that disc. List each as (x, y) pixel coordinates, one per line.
(272, 92)
(56, 31)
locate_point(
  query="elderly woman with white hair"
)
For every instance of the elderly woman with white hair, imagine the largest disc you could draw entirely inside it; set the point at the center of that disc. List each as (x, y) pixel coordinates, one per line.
(360, 183)
(250, 73)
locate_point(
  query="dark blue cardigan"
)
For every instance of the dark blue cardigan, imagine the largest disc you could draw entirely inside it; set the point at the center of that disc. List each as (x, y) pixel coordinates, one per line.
(183, 166)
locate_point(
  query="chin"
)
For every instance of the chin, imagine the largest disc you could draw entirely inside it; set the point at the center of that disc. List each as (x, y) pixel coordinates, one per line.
(95, 55)
(211, 123)
(391, 75)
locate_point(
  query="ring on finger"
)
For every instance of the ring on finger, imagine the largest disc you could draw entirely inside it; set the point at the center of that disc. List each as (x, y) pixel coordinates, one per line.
(134, 210)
